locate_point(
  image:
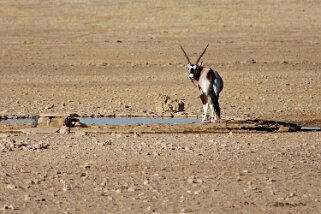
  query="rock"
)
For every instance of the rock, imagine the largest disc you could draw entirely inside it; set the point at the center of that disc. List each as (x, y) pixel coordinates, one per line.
(8, 144)
(246, 171)
(190, 180)
(50, 106)
(80, 133)
(66, 187)
(106, 143)
(64, 130)
(86, 166)
(39, 146)
(11, 186)
(8, 207)
(287, 129)
(146, 182)
(164, 103)
(131, 189)
(250, 61)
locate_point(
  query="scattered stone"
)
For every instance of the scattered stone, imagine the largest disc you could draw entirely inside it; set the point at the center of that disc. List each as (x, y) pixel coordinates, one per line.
(270, 180)
(64, 130)
(8, 144)
(137, 135)
(39, 146)
(80, 133)
(50, 106)
(106, 143)
(131, 189)
(11, 186)
(8, 207)
(287, 129)
(250, 61)
(66, 187)
(83, 174)
(186, 148)
(246, 171)
(146, 182)
(87, 166)
(191, 180)
(164, 103)
(197, 192)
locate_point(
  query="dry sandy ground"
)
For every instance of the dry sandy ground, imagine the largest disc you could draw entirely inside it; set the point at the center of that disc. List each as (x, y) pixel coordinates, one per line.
(99, 57)
(209, 173)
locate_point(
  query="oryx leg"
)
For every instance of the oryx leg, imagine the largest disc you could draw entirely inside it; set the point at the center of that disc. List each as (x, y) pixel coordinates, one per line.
(215, 108)
(205, 106)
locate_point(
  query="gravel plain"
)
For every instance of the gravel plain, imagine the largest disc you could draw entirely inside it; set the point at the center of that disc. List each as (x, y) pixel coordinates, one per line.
(110, 57)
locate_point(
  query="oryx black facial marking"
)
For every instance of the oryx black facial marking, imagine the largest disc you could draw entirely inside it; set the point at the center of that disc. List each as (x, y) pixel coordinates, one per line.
(210, 84)
(193, 71)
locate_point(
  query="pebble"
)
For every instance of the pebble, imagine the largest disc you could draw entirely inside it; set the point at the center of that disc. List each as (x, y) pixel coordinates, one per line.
(64, 130)
(50, 106)
(187, 148)
(80, 133)
(27, 197)
(190, 180)
(131, 189)
(8, 207)
(250, 61)
(106, 143)
(146, 182)
(11, 186)
(136, 135)
(66, 188)
(246, 171)
(87, 166)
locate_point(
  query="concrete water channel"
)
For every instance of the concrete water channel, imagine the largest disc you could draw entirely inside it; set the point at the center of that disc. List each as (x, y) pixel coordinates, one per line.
(136, 120)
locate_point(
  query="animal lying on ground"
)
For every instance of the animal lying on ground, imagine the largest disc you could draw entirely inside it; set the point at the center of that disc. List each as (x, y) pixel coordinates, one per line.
(210, 84)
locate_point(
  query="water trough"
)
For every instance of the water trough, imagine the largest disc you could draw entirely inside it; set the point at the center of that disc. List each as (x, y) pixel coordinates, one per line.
(152, 124)
(137, 120)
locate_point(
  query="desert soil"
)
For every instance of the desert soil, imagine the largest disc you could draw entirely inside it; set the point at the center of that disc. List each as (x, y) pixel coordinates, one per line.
(102, 57)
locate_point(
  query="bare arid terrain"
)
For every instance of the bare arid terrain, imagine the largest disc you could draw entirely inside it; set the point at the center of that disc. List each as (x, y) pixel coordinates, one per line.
(106, 57)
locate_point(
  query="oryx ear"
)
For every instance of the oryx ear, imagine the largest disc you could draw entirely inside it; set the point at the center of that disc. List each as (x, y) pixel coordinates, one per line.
(201, 63)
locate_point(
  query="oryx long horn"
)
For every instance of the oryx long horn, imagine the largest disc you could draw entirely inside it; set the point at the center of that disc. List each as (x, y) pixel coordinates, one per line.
(189, 61)
(199, 58)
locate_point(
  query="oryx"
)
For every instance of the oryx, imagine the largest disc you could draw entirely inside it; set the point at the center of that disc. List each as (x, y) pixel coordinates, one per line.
(210, 84)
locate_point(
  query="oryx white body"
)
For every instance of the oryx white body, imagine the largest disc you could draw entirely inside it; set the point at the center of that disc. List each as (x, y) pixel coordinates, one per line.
(210, 84)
